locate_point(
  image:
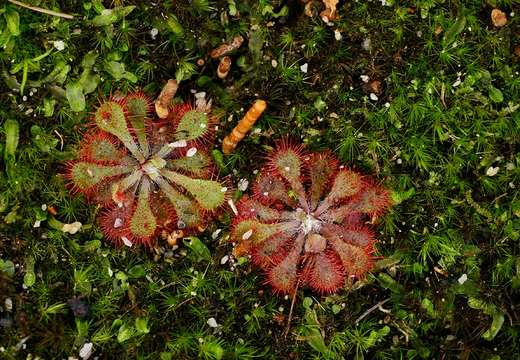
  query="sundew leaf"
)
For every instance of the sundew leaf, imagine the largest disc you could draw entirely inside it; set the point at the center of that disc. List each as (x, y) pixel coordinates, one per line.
(118, 72)
(74, 93)
(199, 250)
(455, 30)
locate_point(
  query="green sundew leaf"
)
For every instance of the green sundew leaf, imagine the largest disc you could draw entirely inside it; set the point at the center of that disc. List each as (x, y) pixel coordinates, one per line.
(187, 210)
(89, 60)
(85, 175)
(12, 135)
(137, 109)
(12, 18)
(174, 26)
(495, 94)
(89, 82)
(193, 125)
(208, 193)
(389, 283)
(125, 333)
(118, 72)
(454, 30)
(110, 16)
(7, 266)
(74, 93)
(136, 272)
(199, 250)
(48, 106)
(196, 164)
(29, 278)
(143, 223)
(496, 325)
(141, 325)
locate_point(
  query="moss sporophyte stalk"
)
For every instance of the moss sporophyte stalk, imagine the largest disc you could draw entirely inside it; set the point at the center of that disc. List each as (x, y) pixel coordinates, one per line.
(148, 175)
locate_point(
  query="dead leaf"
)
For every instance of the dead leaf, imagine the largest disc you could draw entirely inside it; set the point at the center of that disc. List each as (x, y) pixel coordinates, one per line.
(498, 17)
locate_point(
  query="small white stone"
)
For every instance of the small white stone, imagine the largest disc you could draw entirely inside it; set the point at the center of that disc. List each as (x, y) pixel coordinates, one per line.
(232, 206)
(399, 161)
(200, 95)
(118, 222)
(265, 193)
(462, 279)
(37, 224)
(387, 105)
(457, 83)
(243, 184)
(44, 207)
(8, 304)
(367, 44)
(224, 259)
(304, 67)
(212, 322)
(126, 241)
(492, 171)
(71, 228)
(59, 45)
(86, 351)
(154, 33)
(215, 234)
(373, 97)
(274, 63)
(337, 35)
(178, 144)
(247, 234)
(192, 151)
(365, 78)
(223, 189)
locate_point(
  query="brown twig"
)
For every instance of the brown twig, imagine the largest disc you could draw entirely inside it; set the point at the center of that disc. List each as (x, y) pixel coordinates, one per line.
(289, 318)
(41, 10)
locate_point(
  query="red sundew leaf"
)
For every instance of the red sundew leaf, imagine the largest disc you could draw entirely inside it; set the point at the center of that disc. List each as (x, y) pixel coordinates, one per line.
(283, 276)
(114, 221)
(324, 273)
(251, 209)
(320, 169)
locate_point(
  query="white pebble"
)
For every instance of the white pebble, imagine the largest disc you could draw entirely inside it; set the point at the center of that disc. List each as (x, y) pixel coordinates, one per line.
(192, 151)
(212, 322)
(126, 241)
(243, 184)
(224, 259)
(337, 35)
(365, 78)
(274, 63)
(304, 67)
(247, 234)
(373, 97)
(86, 351)
(59, 45)
(118, 223)
(492, 171)
(178, 144)
(462, 279)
